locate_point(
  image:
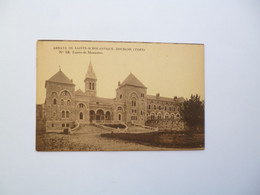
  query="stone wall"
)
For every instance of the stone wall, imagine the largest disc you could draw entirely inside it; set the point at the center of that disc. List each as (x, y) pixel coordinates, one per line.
(136, 112)
(59, 105)
(161, 108)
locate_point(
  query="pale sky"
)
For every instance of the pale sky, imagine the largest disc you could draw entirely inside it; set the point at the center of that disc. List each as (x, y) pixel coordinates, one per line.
(168, 69)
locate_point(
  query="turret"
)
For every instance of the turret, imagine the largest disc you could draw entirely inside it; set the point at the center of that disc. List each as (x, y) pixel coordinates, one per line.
(90, 82)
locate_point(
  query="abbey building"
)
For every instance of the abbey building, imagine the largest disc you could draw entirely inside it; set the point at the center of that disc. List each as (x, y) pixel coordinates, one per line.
(64, 106)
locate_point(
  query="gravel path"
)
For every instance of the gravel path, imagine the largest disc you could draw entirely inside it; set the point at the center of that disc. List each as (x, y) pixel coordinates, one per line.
(87, 139)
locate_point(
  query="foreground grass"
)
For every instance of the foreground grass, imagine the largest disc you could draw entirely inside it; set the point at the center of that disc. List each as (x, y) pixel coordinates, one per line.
(91, 138)
(170, 139)
(61, 142)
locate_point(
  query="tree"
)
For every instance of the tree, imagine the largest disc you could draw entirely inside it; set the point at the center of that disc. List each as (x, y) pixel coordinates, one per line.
(192, 112)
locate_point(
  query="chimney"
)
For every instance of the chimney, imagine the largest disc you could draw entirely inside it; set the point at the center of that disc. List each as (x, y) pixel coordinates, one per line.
(157, 95)
(118, 83)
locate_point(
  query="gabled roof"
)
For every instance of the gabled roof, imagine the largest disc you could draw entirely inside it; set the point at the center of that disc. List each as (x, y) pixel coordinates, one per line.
(80, 92)
(90, 74)
(60, 77)
(132, 80)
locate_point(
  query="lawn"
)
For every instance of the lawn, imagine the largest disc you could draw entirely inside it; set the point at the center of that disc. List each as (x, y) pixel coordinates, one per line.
(167, 139)
(92, 138)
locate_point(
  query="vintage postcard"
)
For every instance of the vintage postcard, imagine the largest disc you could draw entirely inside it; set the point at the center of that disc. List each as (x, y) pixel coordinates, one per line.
(119, 96)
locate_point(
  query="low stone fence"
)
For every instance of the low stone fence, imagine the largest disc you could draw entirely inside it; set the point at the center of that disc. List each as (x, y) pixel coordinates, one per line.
(146, 127)
(75, 128)
(117, 130)
(71, 130)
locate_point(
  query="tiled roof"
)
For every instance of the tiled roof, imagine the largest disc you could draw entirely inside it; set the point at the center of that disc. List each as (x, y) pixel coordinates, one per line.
(153, 97)
(132, 80)
(103, 101)
(60, 77)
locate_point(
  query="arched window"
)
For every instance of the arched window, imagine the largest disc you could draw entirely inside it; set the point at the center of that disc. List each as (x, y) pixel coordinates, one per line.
(93, 86)
(152, 116)
(119, 117)
(68, 103)
(173, 108)
(119, 108)
(154, 107)
(108, 115)
(121, 96)
(149, 106)
(89, 85)
(81, 105)
(63, 114)
(159, 107)
(165, 108)
(62, 102)
(54, 101)
(159, 116)
(133, 102)
(170, 108)
(92, 115)
(100, 115)
(166, 116)
(67, 114)
(81, 116)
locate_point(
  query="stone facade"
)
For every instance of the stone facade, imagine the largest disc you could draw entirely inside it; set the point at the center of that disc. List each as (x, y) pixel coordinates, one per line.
(64, 106)
(163, 108)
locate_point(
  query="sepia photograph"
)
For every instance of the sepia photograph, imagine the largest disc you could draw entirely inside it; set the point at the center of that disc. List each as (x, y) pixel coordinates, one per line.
(129, 97)
(119, 96)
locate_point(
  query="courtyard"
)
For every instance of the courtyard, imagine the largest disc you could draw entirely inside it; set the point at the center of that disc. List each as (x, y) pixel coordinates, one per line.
(91, 138)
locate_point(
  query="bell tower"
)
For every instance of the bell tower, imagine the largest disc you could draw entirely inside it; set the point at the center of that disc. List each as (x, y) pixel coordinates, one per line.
(90, 82)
